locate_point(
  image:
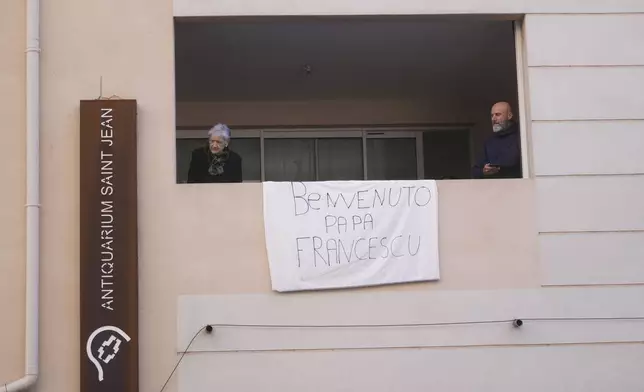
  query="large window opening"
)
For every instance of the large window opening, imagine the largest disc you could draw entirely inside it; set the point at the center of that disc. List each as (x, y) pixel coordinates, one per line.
(319, 99)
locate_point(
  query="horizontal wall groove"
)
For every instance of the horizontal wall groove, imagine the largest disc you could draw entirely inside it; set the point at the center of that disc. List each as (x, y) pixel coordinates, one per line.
(493, 14)
(586, 66)
(553, 316)
(635, 174)
(580, 285)
(586, 120)
(584, 13)
(416, 347)
(556, 232)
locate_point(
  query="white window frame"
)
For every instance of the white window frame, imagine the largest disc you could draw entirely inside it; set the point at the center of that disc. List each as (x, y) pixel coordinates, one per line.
(523, 97)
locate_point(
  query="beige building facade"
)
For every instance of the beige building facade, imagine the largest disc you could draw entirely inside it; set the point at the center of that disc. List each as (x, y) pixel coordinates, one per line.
(567, 241)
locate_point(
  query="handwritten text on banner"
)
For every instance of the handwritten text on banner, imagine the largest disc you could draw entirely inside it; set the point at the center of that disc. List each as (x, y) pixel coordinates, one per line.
(322, 235)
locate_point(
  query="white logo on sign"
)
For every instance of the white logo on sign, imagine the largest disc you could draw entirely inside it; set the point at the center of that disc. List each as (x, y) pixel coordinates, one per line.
(108, 349)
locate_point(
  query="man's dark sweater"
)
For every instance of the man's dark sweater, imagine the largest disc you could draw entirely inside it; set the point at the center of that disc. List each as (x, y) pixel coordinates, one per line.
(502, 150)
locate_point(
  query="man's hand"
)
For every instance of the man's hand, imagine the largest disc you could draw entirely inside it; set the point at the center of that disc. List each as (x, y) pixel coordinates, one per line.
(490, 170)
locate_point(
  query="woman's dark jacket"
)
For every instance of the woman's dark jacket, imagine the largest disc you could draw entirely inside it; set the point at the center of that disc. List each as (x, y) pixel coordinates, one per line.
(201, 160)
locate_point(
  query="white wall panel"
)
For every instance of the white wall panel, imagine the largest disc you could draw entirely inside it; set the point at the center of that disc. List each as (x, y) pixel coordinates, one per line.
(587, 93)
(346, 308)
(592, 258)
(596, 368)
(592, 203)
(585, 68)
(368, 7)
(588, 147)
(555, 40)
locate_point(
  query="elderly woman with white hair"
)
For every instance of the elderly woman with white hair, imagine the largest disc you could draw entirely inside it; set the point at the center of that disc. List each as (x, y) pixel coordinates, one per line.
(215, 162)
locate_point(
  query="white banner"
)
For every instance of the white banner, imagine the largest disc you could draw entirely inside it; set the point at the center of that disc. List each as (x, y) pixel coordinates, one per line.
(322, 235)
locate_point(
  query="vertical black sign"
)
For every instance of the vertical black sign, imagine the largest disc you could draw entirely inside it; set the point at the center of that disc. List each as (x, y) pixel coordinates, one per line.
(108, 246)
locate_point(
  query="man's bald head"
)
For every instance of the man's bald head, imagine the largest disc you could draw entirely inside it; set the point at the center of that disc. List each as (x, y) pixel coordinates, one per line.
(501, 115)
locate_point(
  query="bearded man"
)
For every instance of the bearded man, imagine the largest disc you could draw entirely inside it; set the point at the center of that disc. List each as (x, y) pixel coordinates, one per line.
(501, 156)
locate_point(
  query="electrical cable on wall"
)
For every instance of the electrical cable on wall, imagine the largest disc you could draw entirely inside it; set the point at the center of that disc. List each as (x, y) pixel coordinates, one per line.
(517, 323)
(182, 355)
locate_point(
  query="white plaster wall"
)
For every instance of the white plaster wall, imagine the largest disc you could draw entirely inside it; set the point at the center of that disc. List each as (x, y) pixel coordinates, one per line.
(585, 40)
(393, 7)
(536, 369)
(585, 74)
(592, 258)
(586, 93)
(553, 355)
(590, 203)
(12, 193)
(488, 229)
(192, 239)
(380, 314)
(610, 147)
